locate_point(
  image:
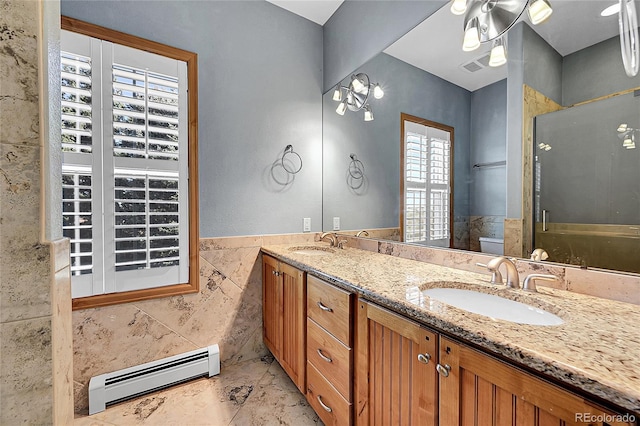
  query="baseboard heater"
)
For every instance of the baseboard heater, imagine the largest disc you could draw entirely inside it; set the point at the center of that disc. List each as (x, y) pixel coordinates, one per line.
(128, 383)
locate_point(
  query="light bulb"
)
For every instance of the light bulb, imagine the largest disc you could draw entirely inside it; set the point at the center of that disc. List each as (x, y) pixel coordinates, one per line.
(368, 114)
(622, 128)
(539, 11)
(498, 54)
(337, 94)
(358, 87)
(378, 93)
(611, 10)
(458, 7)
(471, 36)
(342, 107)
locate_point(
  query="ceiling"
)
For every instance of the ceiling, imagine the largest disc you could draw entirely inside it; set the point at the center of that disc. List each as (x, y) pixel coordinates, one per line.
(435, 44)
(318, 11)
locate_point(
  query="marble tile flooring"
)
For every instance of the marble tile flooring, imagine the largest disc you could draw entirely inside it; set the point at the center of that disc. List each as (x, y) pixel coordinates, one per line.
(255, 392)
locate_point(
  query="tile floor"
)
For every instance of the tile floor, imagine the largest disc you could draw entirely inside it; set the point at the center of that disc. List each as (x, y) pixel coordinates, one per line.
(255, 392)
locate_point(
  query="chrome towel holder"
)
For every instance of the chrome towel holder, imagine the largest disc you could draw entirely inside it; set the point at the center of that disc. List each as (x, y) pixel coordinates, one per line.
(288, 150)
(356, 167)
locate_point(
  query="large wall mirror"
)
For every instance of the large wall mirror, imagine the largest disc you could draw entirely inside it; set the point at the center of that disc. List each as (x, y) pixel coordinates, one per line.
(572, 59)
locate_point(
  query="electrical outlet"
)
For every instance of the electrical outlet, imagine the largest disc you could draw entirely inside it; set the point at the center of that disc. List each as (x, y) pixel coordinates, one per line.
(336, 223)
(306, 224)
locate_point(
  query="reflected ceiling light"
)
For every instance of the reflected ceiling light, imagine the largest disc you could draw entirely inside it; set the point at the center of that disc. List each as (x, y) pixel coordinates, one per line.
(471, 35)
(356, 94)
(357, 83)
(498, 55)
(378, 93)
(611, 10)
(458, 7)
(539, 11)
(487, 20)
(337, 94)
(368, 114)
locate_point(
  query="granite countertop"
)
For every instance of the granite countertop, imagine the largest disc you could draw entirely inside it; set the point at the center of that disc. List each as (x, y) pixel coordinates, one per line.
(597, 349)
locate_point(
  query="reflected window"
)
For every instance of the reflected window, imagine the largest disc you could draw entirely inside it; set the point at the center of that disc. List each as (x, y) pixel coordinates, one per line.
(426, 183)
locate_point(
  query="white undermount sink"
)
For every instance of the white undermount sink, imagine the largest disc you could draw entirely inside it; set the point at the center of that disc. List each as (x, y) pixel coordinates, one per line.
(493, 306)
(312, 250)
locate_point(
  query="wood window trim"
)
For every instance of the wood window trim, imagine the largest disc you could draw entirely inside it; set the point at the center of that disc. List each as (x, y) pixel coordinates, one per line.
(407, 117)
(191, 59)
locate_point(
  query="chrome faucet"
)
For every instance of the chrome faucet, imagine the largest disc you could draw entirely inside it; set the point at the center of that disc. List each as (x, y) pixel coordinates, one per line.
(333, 239)
(513, 279)
(363, 232)
(496, 276)
(529, 283)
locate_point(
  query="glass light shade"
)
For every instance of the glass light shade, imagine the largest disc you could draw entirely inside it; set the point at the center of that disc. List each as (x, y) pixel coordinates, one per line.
(622, 128)
(368, 114)
(498, 55)
(628, 141)
(342, 107)
(357, 84)
(632, 146)
(611, 10)
(378, 93)
(471, 36)
(539, 11)
(337, 94)
(458, 7)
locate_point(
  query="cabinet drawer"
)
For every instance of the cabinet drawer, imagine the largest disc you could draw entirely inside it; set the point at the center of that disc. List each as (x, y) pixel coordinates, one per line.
(332, 408)
(330, 357)
(330, 307)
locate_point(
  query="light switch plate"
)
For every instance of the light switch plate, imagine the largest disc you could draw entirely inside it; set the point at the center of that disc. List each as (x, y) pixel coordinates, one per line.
(336, 223)
(306, 224)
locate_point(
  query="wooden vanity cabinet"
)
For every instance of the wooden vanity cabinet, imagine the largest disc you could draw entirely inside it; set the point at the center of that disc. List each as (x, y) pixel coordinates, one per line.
(284, 316)
(396, 379)
(478, 389)
(408, 375)
(329, 351)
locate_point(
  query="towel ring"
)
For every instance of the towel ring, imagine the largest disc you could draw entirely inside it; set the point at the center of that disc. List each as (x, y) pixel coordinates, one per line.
(356, 168)
(288, 150)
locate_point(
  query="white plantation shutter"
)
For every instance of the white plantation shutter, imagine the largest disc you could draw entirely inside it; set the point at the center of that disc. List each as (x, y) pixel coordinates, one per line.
(124, 117)
(427, 185)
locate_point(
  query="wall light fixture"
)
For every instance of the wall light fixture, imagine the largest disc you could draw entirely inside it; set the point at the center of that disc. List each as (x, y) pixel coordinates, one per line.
(355, 96)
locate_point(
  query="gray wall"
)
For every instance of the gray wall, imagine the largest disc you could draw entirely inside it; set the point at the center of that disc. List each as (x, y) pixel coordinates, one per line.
(260, 85)
(534, 63)
(488, 190)
(359, 30)
(594, 72)
(377, 143)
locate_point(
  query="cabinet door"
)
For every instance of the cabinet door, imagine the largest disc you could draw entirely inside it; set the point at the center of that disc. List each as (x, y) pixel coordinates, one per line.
(271, 305)
(477, 389)
(396, 381)
(294, 321)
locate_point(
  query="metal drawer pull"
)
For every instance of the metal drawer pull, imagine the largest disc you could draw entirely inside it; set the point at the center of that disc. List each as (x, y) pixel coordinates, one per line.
(424, 358)
(443, 370)
(324, 308)
(323, 356)
(325, 406)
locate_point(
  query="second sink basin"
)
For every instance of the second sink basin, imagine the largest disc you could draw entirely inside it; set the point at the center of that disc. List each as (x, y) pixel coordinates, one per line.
(493, 306)
(312, 250)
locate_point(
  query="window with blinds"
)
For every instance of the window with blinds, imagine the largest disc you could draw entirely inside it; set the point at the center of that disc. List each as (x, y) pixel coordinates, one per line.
(426, 184)
(125, 166)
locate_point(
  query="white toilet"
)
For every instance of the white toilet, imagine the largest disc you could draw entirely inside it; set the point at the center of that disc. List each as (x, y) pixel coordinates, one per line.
(492, 245)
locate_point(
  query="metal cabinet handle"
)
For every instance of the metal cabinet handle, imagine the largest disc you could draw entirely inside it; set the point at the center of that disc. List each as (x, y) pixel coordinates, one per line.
(323, 356)
(276, 273)
(324, 308)
(325, 406)
(424, 358)
(544, 220)
(443, 370)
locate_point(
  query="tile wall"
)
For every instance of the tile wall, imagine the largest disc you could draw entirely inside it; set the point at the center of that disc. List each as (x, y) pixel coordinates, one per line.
(226, 311)
(35, 294)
